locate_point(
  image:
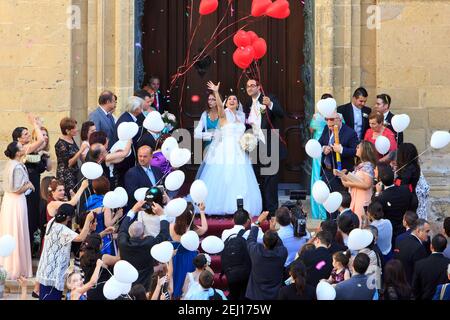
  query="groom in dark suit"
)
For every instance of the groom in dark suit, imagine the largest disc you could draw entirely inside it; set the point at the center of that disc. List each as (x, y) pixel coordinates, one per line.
(356, 114)
(261, 112)
(143, 175)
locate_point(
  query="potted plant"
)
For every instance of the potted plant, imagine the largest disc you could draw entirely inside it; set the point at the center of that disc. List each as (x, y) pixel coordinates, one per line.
(2, 281)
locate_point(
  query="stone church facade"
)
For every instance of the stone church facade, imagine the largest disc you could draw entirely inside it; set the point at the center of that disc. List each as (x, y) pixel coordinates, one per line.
(57, 56)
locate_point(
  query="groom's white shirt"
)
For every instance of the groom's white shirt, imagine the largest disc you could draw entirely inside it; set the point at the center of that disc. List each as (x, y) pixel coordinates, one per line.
(255, 117)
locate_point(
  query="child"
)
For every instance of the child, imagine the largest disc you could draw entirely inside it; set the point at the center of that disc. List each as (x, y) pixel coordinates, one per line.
(75, 283)
(340, 267)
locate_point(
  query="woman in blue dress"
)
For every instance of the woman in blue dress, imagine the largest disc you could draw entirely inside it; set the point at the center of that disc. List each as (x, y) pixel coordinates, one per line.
(105, 217)
(316, 128)
(209, 121)
(183, 259)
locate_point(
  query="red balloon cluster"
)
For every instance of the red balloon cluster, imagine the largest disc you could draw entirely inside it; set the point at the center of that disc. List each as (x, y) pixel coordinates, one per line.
(249, 47)
(208, 6)
(278, 9)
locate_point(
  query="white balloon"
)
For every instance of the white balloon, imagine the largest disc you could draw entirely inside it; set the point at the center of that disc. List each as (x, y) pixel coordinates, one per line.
(119, 145)
(174, 180)
(320, 191)
(168, 146)
(125, 272)
(190, 240)
(111, 200)
(111, 290)
(313, 149)
(162, 252)
(382, 144)
(179, 157)
(199, 191)
(325, 291)
(359, 239)
(440, 139)
(122, 195)
(175, 207)
(91, 170)
(400, 122)
(327, 107)
(212, 244)
(127, 130)
(154, 122)
(139, 194)
(333, 202)
(7, 245)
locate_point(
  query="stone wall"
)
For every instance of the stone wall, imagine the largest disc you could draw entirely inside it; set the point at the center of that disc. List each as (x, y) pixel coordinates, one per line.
(404, 54)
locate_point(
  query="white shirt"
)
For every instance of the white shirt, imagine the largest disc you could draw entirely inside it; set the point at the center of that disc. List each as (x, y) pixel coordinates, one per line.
(151, 223)
(255, 117)
(386, 114)
(234, 231)
(357, 116)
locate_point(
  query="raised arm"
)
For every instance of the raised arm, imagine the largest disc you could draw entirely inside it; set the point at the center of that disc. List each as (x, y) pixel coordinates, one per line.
(37, 124)
(94, 278)
(84, 233)
(74, 201)
(118, 156)
(220, 107)
(201, 230)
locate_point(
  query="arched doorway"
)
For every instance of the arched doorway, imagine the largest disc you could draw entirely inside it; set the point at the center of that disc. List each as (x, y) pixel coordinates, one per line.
(162, 36)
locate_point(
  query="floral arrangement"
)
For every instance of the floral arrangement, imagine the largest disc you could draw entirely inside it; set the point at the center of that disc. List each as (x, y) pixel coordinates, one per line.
(170, 122)
(248, 142)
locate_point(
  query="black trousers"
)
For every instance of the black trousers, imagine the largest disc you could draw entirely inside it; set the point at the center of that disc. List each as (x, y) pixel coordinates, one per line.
(237, 290)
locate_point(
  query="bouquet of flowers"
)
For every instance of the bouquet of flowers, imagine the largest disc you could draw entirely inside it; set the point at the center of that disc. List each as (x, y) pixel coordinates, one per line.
(170, 122)
(248, 142)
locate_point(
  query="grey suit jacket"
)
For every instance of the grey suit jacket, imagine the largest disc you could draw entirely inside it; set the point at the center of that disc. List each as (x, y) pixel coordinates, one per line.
(102, 123)
(354, 288)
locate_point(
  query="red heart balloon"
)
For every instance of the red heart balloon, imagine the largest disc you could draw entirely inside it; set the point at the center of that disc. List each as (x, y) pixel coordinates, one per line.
(243, 56)
(242, 39)
(259, 7)
(253, 36)
(279, 9)
(260, 47)
(208, 6)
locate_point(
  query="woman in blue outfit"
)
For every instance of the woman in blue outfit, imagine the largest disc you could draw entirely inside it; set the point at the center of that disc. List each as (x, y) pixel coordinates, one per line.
(183, 259)
(316, 128)
(209, 121)
(105, 217)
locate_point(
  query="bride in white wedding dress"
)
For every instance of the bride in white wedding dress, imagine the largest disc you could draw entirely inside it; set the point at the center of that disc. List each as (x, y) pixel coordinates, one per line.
(227, 170)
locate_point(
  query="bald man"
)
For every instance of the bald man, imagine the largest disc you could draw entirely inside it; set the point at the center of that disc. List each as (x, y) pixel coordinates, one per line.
(348, 141)
(143, 175)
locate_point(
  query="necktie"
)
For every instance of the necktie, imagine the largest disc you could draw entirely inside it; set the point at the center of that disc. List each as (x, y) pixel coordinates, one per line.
(111, 119)
(151, 176)
(329, 158)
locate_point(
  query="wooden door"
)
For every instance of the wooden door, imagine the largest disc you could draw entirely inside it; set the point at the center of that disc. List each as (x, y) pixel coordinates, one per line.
(166, 36)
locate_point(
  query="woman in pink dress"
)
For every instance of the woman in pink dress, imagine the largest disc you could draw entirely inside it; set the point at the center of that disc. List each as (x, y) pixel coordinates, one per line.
(376, 120)
(360, 181)
(14, 213)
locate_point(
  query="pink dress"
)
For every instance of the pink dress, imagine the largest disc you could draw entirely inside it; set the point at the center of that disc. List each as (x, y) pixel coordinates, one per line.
(14, 221)
(360, 197)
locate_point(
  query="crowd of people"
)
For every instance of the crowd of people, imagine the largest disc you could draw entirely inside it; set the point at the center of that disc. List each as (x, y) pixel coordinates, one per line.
(376, 246)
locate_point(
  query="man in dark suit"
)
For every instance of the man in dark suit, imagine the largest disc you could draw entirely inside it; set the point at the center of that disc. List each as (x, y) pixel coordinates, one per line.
(432, 271)
(134, 248)
(133, 111)
(409, 223)
(103, 116)
(263, 114)
(318, 262)
(356, 287)
(411, 249)
(267, 260)
(356, 114)
(383, 106)
(396, 200)
(348, 141)
(161, 102)
(345, 210)
(143, 175)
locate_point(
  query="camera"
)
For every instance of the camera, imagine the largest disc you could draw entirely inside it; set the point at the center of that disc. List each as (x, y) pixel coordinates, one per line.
(154, 194)
(240, 203)
(298, 216)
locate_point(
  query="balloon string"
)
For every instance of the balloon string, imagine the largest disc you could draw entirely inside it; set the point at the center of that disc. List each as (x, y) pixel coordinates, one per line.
(128, 295)
(409, 162)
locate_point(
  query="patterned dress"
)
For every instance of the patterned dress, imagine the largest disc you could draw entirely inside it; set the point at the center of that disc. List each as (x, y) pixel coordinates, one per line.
(422, 192)
(65, 151)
